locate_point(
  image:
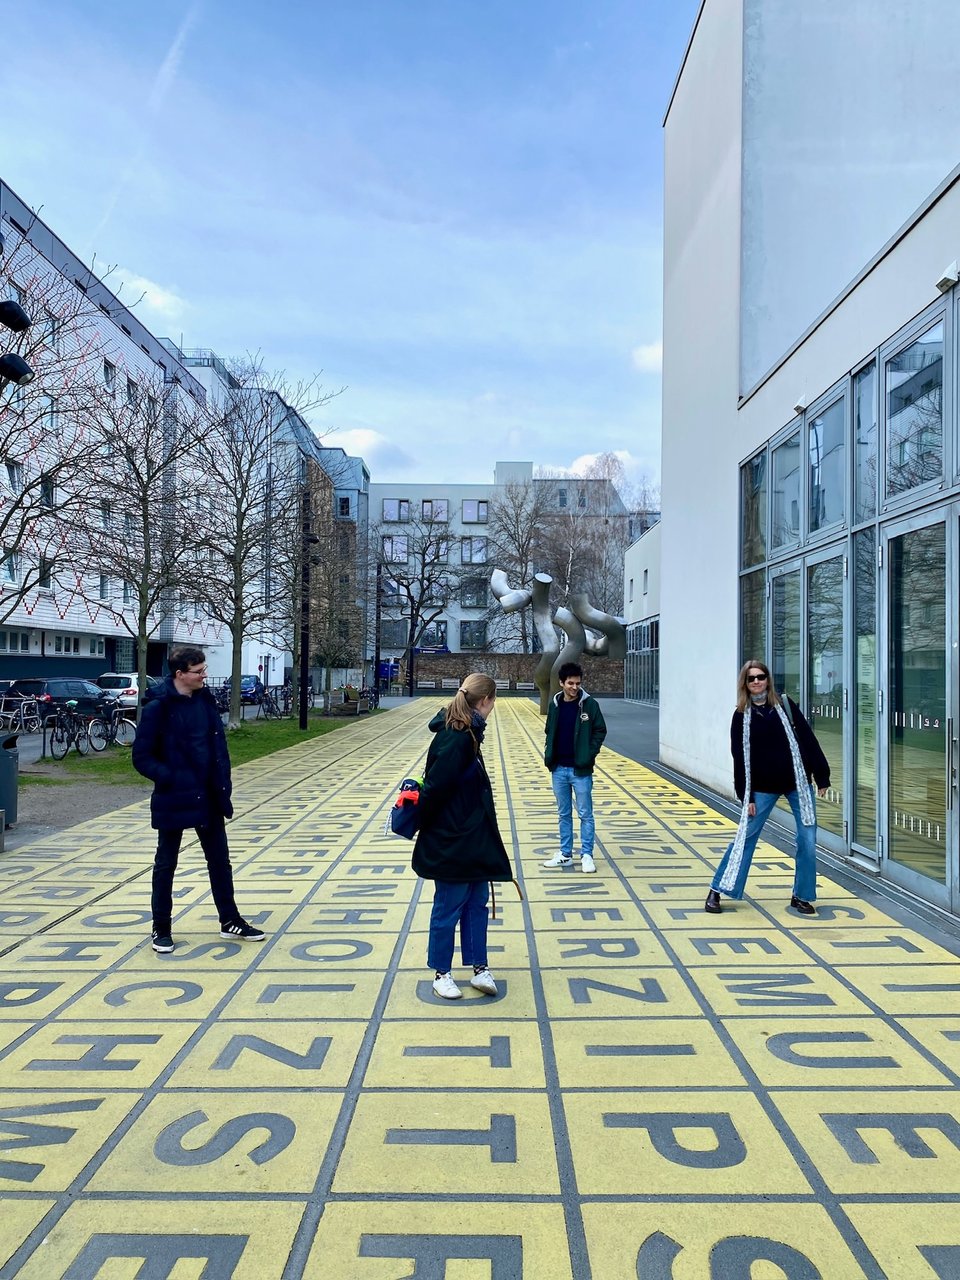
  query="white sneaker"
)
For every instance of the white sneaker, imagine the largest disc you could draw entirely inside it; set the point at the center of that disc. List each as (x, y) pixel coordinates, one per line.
(558, 860)
(483, 981)
(446, 987)
(587, 863)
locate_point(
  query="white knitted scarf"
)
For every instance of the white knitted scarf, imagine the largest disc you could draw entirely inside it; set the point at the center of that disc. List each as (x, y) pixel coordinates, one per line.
(807, 814)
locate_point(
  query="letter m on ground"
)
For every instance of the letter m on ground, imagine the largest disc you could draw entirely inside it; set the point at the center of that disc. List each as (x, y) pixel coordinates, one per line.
(755, 990)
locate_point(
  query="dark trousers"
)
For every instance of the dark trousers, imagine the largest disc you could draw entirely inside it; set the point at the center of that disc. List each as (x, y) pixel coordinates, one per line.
(213, 842)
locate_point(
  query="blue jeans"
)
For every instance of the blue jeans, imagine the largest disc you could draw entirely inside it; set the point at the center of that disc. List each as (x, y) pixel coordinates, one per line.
(453, 904)
(805, 878)
(564, 779)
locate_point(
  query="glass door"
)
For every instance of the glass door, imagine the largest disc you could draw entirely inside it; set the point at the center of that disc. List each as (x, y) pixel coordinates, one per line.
(826, 695)
(920, 846)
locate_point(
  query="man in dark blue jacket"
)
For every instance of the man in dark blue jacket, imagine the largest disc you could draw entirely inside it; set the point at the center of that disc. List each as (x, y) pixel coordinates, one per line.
(182, 748)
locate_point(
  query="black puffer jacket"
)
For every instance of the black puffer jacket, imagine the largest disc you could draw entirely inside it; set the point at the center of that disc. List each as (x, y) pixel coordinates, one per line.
(458, 839)
(184, 794)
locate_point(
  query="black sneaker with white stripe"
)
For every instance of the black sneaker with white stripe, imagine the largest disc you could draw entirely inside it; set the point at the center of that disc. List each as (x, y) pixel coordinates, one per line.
(240, 929)
(161, 940)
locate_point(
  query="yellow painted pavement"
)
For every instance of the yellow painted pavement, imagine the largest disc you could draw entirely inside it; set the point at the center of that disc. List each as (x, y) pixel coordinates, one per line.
(655, 1093)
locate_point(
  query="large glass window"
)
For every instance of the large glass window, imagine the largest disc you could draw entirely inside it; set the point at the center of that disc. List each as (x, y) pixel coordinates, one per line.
(394, 632)
(753, 502)
(473, 635)
(865, 443)
(825, 446)
(434, 635)
(473, 593)
(825, 679)
(786, 492)
(395, 550)
(786, 633)
(473, 550)
(864, 830)
(917, 702)
(914, 392)
(753, 615)
(396, 510)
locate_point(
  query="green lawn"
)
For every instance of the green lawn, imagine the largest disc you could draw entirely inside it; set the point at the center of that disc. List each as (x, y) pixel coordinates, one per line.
(253, 739)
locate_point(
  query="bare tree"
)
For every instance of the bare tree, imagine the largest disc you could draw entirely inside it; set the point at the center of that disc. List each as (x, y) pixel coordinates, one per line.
(255, 473)
(519, 514)
(137, 537)
(417, 578)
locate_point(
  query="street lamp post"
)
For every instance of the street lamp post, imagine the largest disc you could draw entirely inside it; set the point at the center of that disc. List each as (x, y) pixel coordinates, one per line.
(377, 618)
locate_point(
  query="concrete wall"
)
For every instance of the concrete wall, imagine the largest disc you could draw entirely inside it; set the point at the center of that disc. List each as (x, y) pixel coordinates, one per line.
(700, 382)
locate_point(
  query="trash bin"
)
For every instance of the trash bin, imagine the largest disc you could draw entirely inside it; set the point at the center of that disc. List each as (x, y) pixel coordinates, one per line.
(9, 770)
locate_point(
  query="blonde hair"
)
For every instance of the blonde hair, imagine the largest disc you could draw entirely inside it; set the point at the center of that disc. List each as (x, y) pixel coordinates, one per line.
(743, 689)
(473, 689)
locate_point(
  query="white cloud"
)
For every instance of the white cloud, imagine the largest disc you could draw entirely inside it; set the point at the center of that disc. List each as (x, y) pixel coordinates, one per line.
(146, 296)
(376, 449)
(648, 357)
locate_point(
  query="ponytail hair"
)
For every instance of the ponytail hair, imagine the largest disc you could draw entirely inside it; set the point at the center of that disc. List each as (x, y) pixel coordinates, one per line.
(474, 689)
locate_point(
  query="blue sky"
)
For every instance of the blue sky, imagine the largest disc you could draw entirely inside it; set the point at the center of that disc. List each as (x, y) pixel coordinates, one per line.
(451, 208)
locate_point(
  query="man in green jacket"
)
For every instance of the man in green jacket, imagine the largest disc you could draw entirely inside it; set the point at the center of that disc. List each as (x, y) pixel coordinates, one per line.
(575, 731)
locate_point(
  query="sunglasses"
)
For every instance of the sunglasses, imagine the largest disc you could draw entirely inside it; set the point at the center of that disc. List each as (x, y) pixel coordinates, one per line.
(755, 679)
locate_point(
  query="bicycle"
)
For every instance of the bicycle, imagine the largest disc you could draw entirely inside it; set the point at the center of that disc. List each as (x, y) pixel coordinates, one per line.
(111, 727)
(269, 708)
(22, 717)
(69, 729)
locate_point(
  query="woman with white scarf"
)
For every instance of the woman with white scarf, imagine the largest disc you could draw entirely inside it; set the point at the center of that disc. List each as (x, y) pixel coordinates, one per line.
(775, 752)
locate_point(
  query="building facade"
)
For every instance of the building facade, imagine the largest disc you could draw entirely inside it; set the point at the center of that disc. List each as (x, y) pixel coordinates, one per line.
(61, 613)
(441, 542)
(641, 608)
(811, 453)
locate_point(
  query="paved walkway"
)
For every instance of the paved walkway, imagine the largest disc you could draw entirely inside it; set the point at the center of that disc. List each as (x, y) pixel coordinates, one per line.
(656, 1093)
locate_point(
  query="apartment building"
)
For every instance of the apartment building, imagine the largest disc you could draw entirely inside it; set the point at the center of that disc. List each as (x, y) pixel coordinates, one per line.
(93, 360)
(440, 543)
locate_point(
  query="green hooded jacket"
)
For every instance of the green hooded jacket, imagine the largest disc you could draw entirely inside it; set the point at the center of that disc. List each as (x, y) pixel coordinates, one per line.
(588, 734)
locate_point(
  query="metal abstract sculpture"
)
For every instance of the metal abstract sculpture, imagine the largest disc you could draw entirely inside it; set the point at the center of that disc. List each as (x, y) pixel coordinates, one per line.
(609, 640)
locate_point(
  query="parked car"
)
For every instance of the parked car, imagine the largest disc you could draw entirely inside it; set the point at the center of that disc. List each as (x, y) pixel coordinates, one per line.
(251, 688)
(123, 687)
(53, 692)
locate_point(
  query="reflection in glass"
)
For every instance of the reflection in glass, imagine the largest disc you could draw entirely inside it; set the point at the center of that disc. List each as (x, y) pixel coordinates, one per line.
(785, 593)
(753, 501)
(865, 687)
(786, 492)
(865, 443)
(786, 634)
(825, 679)
(914, 392)
(917, 712)
(827, 471)
(753, 628)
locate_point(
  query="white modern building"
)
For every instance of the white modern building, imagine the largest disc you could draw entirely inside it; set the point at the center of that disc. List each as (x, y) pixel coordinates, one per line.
(641, 608)
(811, 436)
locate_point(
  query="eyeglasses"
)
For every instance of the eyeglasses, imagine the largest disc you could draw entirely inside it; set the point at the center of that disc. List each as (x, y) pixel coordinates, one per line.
(755, 678)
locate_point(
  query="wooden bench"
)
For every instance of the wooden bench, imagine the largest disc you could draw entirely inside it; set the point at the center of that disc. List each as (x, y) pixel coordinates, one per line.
(426, 684)
(448, 683)
(525, 686)
(501, 685)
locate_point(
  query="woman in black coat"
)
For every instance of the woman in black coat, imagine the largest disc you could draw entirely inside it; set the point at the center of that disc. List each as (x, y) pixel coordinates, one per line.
(775, 753)
(459, 845)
